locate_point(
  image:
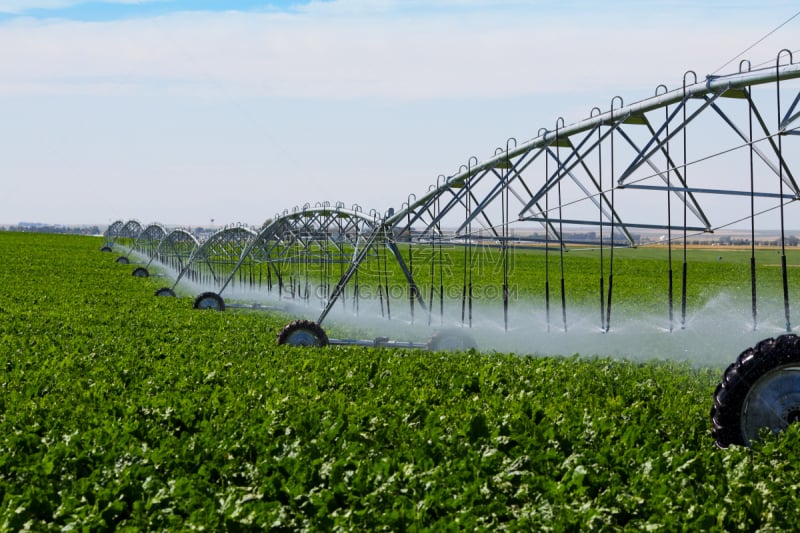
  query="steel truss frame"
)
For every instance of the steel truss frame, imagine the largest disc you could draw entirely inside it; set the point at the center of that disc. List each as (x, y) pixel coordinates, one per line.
(176, 248)
(611, 170)
(149, 240)
(293, 254)
(124, 232)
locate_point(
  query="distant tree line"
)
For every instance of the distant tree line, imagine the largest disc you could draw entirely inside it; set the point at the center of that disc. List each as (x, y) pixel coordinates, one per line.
(53, 228)
(727, 240)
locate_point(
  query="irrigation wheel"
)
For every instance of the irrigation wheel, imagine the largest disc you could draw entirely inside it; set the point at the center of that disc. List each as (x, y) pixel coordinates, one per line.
(761, 389)
(209, 300)
(165, 291)
(105, 249)
(140, 272)
(122, 260)
(450, 340)
(303, 333)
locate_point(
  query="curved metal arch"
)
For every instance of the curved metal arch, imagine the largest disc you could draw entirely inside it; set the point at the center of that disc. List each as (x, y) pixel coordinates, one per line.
(148, 241)
(176, 248)
(607, 163)
(127, 234)
(226, 240)
(112, 232)
(321, 235)
(569, 147)
(212, 260)
(131, 229)
(154, 231)
(314, 224)
(175, 240)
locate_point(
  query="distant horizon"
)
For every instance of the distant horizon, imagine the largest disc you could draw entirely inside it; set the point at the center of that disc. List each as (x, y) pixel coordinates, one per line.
(516, 230)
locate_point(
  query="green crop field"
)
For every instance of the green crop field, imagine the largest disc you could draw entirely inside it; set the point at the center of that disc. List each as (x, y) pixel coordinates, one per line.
(121, 410)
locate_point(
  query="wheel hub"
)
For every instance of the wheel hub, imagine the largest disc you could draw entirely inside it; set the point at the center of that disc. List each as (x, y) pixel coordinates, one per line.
(207, 303)
(302, 338)
(773, 402)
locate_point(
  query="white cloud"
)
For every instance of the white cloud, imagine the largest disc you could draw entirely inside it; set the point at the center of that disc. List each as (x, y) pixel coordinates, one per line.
(351, 49)
(238, 115)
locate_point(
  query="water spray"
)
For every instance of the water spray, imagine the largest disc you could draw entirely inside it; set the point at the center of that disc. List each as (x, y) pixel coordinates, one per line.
(470, 213)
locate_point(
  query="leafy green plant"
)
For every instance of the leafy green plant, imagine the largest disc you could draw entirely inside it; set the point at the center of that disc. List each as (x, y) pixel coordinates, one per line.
(123, 410)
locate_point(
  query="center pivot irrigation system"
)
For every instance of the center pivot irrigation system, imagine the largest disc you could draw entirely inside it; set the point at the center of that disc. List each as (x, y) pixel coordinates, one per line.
(713, 153)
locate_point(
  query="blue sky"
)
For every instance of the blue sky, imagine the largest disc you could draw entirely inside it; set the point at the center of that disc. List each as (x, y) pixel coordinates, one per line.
(78, 10)
(183, 111)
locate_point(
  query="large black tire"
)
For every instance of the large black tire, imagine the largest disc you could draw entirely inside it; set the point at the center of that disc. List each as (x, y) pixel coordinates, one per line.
(209, 300)
(451, 340)
(165, 291)
(140, 272)
(761, 389)
(303, 333)
(105, 249)
(123, 260)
